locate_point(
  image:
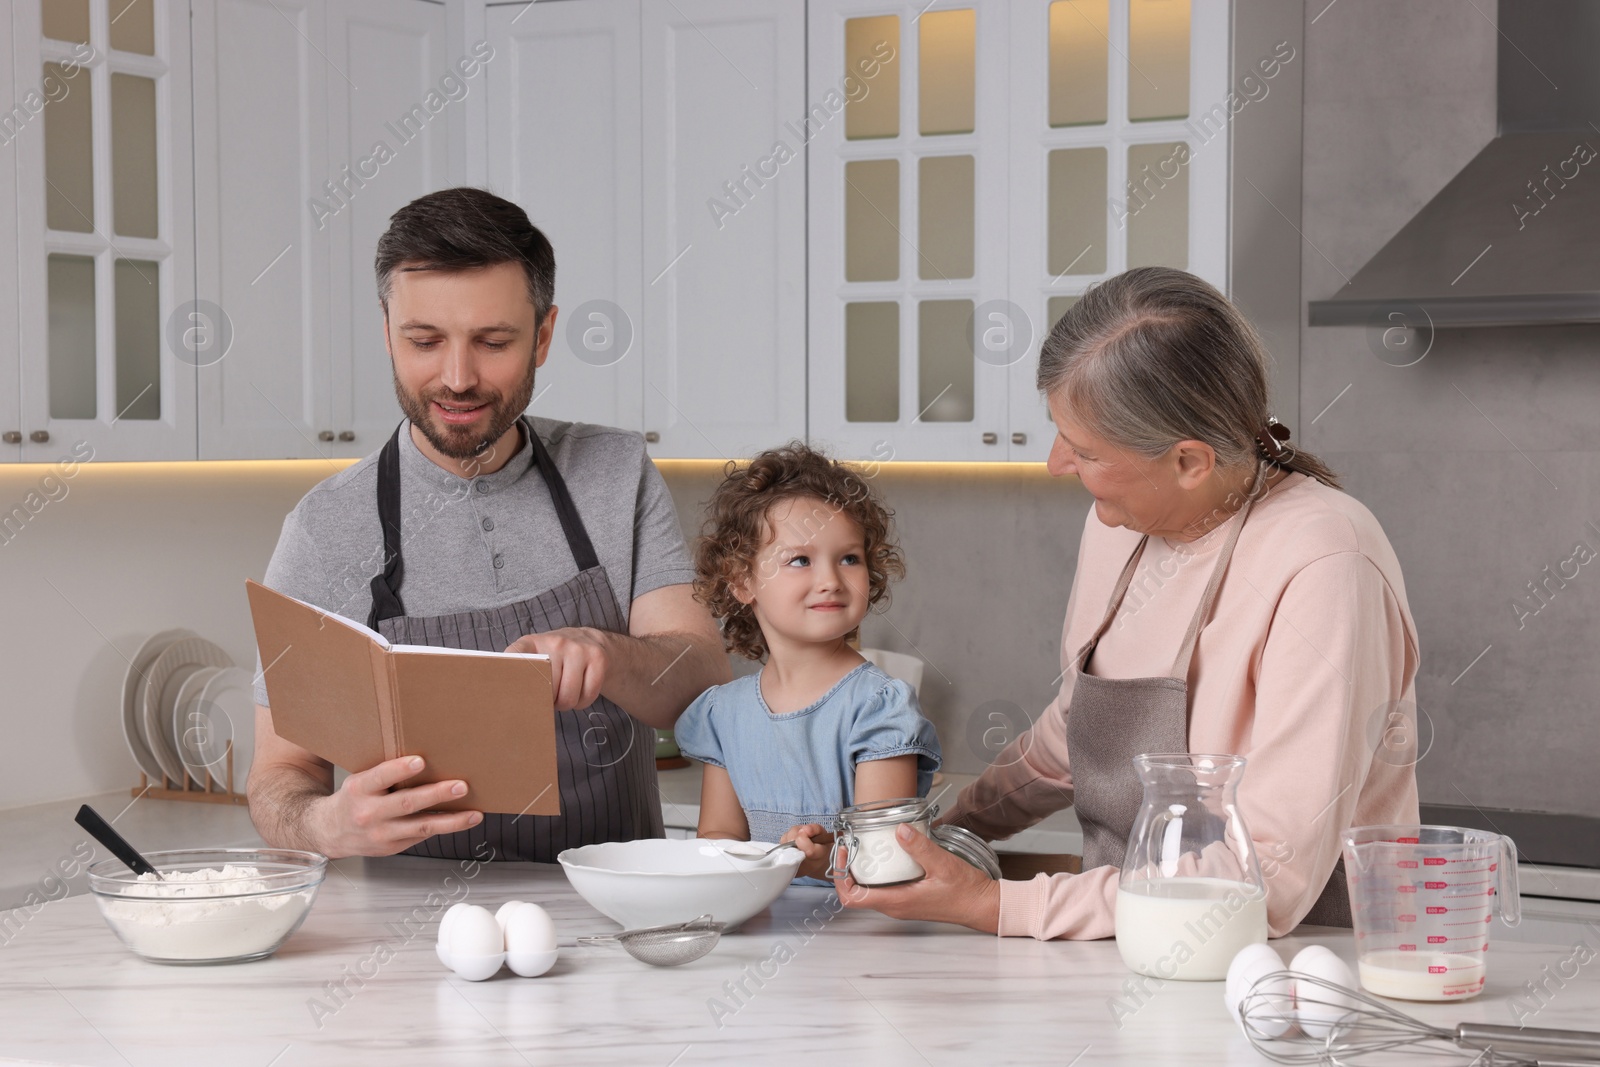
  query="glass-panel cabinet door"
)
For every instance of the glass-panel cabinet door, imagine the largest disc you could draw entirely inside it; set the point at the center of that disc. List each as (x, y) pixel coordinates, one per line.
(1116, 163)
(907, 217)
(104, 228)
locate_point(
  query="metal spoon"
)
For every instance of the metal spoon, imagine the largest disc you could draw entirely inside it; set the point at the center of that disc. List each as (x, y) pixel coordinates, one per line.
(665, 946)
(102, 832)
(737, 849)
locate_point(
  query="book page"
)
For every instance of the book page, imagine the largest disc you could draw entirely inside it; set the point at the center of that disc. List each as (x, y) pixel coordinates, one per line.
(360, 627)
(466, 652)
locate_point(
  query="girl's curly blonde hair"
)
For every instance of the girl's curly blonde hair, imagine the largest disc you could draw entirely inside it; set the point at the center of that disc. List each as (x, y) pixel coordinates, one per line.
(736, 528)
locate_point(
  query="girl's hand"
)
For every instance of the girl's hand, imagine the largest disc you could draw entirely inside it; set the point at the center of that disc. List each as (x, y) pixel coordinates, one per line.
(817, 844)
(954, 891)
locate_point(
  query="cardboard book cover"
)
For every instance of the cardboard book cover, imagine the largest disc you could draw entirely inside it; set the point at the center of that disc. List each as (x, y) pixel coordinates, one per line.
(343, 692)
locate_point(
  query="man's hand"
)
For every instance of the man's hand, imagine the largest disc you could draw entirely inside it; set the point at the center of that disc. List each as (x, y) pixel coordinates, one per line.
(954, 891)
(365, 818)
(579, 660)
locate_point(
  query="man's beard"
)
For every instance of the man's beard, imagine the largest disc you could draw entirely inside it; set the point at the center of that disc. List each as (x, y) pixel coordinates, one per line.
(461, 442)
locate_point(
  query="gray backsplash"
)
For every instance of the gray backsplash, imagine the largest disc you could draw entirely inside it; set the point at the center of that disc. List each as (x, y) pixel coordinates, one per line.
(1482, 460)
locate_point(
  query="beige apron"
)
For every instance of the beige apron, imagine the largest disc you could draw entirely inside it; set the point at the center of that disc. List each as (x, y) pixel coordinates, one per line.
(1111, 720)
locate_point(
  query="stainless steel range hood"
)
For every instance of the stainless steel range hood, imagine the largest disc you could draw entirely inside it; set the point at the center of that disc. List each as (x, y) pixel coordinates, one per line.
(1514, 239)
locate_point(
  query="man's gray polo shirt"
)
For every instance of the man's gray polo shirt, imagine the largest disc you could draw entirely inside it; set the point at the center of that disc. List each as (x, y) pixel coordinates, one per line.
(472, 544)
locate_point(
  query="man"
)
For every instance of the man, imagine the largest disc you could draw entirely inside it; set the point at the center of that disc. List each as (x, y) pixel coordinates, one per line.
(476, 527)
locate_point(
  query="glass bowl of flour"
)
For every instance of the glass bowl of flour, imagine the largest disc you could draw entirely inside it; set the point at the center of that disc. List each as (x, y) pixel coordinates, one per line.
(212, 905)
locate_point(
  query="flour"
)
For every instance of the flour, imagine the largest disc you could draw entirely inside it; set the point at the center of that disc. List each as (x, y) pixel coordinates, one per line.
(232, 916)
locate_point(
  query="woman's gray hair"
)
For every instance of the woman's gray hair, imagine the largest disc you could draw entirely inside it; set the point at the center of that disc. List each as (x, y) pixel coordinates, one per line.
(1155, 356)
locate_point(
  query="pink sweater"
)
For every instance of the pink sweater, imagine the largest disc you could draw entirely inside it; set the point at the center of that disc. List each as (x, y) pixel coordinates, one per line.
(1310, 644)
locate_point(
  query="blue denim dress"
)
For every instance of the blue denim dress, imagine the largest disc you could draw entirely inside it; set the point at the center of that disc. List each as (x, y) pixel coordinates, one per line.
(800, 766)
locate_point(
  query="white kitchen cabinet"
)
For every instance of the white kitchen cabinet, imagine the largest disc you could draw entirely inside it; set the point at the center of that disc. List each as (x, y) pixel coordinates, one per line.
(403, 92)
(616, 125)
(976, 181)
(908, 217)
(316, 123)
(103, 184)
(743, 256)
(1175, 212)
(260, 159)
(563, 100)
(724, 226)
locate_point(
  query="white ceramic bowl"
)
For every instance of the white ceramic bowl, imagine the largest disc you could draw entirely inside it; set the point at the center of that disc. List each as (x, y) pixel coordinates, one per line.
(656, 881)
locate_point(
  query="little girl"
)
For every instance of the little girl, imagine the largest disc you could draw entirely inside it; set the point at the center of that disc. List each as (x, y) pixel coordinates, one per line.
(795, 551)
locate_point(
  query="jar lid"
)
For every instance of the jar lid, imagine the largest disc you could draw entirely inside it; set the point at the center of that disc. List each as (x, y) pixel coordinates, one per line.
(960, 841)
(880, 813)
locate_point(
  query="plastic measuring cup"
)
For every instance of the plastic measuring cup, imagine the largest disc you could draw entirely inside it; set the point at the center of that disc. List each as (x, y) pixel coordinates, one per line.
(1422, 898)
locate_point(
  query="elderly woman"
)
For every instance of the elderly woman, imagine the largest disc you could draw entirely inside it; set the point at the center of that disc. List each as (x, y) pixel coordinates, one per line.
(1228, 598)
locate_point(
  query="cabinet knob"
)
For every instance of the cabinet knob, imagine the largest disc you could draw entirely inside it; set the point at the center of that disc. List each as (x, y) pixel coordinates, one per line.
(325, 435)
(651, 437)
(1019, 438)
(991, 438)
(39, 437)
(12, 437)
(347, 435)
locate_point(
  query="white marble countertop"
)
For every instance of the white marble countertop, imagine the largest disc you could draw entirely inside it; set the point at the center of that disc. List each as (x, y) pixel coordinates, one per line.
(858, 985)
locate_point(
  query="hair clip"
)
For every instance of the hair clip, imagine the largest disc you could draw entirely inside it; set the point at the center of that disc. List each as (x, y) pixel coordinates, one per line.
(1271, 438)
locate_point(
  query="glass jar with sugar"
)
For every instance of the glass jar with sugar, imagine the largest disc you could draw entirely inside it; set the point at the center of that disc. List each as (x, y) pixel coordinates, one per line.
(866, 834)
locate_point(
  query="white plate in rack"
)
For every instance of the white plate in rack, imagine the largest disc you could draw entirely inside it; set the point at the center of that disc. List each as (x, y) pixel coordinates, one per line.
(133, 698)
(161, 690)
(186, 697)
(229, 703)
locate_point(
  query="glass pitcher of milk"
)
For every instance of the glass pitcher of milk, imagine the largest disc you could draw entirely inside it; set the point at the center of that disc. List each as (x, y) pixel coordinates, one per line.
(1191, 894)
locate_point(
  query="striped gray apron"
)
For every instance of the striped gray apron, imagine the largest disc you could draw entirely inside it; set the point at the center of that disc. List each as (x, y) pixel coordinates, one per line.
(1111, 720)
(605, 759)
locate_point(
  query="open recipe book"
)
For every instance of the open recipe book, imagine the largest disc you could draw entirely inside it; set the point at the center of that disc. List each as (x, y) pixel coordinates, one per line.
(342, 691)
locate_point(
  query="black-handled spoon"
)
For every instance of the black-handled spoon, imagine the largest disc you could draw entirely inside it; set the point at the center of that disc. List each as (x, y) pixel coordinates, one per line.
(102, 832)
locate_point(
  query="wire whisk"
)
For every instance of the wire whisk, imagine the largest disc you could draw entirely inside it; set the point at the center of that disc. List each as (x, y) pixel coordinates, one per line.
(1362, 1027)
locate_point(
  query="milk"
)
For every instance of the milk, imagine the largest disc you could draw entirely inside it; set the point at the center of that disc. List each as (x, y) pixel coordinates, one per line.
(1422, 975)
(1188, 928)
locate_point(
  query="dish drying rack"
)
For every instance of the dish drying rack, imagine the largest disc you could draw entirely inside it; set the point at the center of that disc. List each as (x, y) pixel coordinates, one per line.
(208, 790)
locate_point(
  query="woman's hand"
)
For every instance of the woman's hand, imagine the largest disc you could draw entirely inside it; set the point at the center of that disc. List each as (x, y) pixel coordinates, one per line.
(954, 891)
(817, 844)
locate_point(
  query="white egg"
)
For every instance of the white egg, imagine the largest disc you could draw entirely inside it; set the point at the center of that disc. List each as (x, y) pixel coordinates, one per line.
(1317, 1006)
(1272, 1009)
(505, 912)
(477, 948)
(442, 949)
(476, 933)
(530, 941)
